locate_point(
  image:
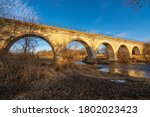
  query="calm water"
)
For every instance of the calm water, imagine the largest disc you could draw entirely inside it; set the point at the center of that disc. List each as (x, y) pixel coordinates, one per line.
(135, 70)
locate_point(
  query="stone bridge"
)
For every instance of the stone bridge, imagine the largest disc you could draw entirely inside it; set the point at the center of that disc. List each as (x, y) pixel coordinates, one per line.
(13, 30)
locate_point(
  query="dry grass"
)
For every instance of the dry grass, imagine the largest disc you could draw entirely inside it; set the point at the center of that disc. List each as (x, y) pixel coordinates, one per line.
(29, 77)
(20, 73)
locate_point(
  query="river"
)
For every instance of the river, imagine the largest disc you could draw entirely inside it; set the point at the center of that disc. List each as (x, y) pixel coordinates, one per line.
(139, 70)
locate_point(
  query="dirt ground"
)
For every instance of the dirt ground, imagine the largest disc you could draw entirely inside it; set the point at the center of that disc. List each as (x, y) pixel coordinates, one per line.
(78, 86)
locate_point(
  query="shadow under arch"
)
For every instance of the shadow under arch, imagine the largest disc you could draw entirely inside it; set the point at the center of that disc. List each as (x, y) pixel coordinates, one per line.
(136, 51)
(123, 53)
(110, 50)
(9, 44)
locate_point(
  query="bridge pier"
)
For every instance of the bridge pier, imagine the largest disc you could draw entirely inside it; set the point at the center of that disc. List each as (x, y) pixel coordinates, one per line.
(91, 60)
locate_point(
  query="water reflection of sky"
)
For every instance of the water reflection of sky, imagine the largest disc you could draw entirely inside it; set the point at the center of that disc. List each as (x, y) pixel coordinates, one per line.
(135, 70)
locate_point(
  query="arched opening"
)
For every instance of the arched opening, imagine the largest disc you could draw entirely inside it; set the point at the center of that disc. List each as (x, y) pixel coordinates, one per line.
(123, 53)
(31, 44)
(105, 52)
(79, 51)
(136, 51)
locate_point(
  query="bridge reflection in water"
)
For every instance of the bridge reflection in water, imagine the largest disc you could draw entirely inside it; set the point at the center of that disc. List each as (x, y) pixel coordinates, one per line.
(135, 70)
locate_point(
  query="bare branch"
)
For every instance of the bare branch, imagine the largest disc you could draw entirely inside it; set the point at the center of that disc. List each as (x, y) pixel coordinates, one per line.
(17, 9)
(137, 4)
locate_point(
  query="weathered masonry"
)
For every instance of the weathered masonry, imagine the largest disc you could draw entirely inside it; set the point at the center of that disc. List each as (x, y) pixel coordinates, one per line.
(12, 30)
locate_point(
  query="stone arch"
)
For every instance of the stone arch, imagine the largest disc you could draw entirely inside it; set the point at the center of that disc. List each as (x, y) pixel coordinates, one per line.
(109, 48)
(123, 53)
(9, 44)
(90, 54)
(136, 51)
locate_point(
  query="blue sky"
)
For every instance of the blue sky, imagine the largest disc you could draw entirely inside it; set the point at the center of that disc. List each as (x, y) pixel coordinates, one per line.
(111, 17)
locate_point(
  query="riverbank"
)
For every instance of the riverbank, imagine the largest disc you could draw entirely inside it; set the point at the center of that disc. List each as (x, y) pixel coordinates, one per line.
(78, 82)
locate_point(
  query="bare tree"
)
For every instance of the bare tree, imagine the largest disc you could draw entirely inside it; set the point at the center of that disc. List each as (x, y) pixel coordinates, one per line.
(18, 10)
(25, 45)
(137, 4)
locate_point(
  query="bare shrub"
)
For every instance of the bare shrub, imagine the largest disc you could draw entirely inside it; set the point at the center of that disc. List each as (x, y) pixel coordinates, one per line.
(14, 70)
(25, 72)
(21, 70)
(65, 57)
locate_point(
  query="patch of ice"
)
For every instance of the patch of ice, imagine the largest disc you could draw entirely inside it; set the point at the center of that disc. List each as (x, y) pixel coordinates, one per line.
(119, 81)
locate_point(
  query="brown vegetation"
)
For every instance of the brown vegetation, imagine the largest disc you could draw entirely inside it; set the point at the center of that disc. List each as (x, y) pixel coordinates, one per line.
(26, 76)
(19, 73)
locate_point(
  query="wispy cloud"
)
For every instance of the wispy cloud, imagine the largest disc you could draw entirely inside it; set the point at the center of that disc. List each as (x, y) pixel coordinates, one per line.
(146, 40)
(109, 32)
(99, 19)
(113, 33)
(123, 34)
(95, 31)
